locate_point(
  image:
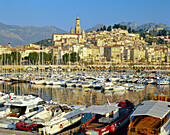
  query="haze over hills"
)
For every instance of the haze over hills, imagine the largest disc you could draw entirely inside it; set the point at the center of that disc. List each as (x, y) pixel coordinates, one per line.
(98, 26)
(133, 25)
(24, 35)
(147, 26)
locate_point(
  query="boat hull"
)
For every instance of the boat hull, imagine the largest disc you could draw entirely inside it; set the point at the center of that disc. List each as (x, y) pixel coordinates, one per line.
(27, 126)
(110, 127)
(59, 127)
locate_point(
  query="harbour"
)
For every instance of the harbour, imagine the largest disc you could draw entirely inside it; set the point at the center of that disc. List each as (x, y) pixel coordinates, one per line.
(82, 68)
(77, 95)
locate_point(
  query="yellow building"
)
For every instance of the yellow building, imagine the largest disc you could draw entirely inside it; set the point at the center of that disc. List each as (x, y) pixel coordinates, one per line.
(137, 55)
(158, 29)
(63, 39)
(113, 53)
(78, 28)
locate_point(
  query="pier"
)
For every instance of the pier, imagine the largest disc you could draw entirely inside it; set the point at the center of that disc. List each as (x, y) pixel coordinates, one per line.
(87, 67)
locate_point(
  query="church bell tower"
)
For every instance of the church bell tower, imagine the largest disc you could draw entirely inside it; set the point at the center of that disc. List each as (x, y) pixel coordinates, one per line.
(78, 28)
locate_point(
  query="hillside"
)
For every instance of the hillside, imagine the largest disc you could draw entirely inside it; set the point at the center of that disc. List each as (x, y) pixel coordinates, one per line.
(24, 35)
(147, 26)
(133, 25)
(98, 26)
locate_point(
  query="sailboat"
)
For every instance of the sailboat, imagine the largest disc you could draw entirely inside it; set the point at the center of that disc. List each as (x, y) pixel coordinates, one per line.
(40, 80)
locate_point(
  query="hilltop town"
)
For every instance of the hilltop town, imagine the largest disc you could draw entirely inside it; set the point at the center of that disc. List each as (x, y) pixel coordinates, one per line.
(101, 47)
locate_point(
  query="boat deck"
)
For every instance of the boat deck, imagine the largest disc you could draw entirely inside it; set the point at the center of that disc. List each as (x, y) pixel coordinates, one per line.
(95, 124)
(144, 125)
(148, 122)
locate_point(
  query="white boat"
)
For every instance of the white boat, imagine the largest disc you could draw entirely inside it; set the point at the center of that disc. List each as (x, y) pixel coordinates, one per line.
(108, 86)
(97, 85)
(86, 84)
(49, 82)
(138, 88)
(38, 82)
(151, 81)
(2, 78)
(163, 82)
(57, 82)
(19, 107)
(70, 83)
(119, 90)
(64, 118)
(128, 86)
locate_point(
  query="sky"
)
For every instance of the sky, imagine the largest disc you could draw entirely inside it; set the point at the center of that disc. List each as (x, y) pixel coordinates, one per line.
(62, 13)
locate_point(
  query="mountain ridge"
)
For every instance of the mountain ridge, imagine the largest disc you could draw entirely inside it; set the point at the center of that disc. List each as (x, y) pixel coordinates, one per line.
(146, 26)
(133, 25)
(24, 35)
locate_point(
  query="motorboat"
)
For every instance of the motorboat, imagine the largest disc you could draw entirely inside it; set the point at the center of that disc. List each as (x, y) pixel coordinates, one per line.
(107, 118)
(65, 117)
(119, 90)
(108, 85)
(18, 107)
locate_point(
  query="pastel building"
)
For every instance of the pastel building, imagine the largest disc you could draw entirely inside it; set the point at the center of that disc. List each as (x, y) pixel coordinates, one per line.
(69, 38)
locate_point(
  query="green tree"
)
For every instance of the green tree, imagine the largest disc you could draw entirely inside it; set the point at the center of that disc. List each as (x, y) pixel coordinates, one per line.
(124, 27)
(6, 59)
(119, 26)
(16, 56)
(109, 28)
(33, 57)
(133, 31)
(115, 26)
(45, 42)
(141, 31)
(130, 30)
(142, 35)
(104, 27)
(74, 57)
(162, 33)
(65, 58)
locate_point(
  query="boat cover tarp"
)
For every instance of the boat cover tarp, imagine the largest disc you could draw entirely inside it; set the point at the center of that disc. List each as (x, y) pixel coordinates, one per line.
(101, 109)
(73, 113)
(152, 108)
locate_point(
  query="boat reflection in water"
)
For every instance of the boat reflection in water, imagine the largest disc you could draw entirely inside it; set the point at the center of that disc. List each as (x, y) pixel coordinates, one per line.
(80, 96)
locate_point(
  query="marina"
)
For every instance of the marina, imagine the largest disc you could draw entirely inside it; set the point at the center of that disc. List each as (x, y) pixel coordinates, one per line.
(74, 91)
(82, 68)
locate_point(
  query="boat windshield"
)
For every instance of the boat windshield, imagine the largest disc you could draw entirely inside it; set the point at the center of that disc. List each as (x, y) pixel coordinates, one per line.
(18, 109)
(2, 105)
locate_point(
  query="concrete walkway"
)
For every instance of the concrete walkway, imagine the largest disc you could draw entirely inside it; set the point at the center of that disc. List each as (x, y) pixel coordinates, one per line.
(15, 132)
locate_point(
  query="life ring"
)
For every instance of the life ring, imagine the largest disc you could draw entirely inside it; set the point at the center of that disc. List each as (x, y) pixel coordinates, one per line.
(61, 126)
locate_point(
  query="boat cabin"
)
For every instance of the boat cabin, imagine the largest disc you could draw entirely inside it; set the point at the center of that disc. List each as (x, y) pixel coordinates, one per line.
(104, 114)
(151, 117)
(20, 105)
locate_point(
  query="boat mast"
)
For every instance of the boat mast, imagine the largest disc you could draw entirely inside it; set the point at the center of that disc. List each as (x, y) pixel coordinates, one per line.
(39, 63)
